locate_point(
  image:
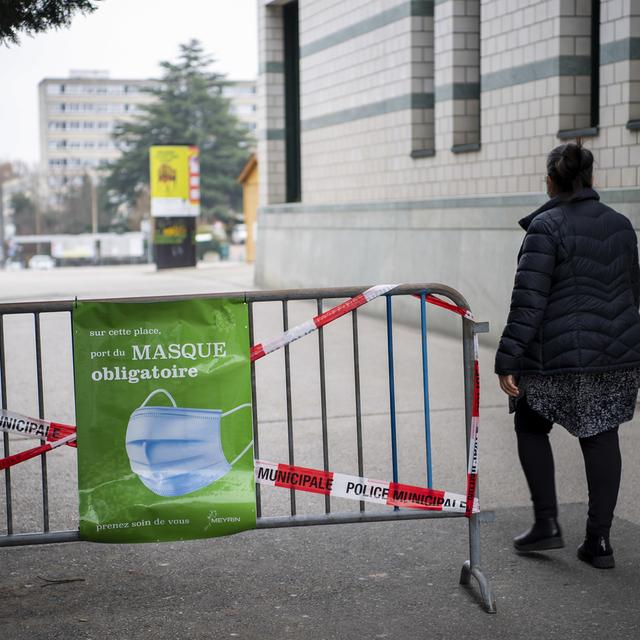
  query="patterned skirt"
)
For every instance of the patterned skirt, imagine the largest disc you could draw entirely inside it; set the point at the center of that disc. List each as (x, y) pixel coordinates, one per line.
(585, 404)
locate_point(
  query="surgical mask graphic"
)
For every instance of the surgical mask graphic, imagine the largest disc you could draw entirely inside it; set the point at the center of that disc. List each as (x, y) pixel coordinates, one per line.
(174, 450)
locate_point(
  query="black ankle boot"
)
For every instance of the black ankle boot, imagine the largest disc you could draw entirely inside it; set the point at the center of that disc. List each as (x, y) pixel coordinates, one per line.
(545, 534)
(596, 551)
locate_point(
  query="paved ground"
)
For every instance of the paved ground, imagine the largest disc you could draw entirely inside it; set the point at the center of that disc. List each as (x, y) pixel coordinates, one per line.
(352, 581)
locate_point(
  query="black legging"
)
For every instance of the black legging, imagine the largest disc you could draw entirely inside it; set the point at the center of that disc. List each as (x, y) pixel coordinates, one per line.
(601, 460)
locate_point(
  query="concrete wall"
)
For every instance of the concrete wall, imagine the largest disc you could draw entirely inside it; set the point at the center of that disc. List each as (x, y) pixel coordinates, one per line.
(383, 81)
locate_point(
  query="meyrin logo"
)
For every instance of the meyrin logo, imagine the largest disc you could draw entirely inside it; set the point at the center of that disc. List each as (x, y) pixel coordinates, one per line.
(214, 518)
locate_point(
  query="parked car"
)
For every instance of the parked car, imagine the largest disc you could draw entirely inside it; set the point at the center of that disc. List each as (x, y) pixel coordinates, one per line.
(41, 262)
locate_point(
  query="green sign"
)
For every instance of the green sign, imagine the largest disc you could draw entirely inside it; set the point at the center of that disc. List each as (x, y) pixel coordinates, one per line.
(164, 420)
(170, 231)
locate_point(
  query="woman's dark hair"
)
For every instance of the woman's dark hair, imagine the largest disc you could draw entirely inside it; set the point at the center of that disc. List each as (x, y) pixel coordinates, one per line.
(570, 166)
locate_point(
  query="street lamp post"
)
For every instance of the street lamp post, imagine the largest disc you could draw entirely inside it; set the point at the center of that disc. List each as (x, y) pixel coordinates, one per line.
(2, 241)
(6, 172)
(93, 179)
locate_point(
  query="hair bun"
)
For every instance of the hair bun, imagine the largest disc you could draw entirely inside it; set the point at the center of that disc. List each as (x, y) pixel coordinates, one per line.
(570, 167)
(570, 162)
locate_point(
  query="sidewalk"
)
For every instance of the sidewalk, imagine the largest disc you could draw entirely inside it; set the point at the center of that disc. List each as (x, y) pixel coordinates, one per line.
(348, 582)
(383, 580)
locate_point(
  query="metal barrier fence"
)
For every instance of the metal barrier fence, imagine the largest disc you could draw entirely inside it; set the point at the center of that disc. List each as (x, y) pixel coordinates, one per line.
(471, 568)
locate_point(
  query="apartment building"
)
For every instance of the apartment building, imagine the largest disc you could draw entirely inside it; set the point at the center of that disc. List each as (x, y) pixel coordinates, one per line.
(77, 118)
(244, 102)
(401, 140)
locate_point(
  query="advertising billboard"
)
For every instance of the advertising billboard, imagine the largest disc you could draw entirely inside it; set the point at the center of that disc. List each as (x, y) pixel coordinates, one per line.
(174, 173)
(165, 435)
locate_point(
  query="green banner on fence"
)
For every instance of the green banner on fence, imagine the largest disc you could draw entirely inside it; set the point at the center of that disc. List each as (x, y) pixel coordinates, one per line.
(163, 412)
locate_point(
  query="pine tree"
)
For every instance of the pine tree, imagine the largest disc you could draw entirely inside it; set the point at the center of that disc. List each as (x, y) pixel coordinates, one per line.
(34, 16)
(189, 109)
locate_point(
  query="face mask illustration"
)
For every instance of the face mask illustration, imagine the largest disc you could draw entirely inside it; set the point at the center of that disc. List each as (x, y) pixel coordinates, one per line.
(174, 450)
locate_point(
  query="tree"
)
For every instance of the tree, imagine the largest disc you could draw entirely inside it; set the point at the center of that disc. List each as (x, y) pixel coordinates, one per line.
(74, 215)
(77, 208)
(189, 109)
(24, 213)
(34, 16)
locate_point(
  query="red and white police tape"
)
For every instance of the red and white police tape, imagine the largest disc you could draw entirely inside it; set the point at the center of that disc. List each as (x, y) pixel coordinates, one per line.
(55, 434)
(26, 427)
(472, 467)
(263, 348)
(9, 461)
(341, 485)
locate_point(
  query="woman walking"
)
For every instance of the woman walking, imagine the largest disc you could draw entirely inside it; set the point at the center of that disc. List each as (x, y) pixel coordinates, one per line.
(570, 352)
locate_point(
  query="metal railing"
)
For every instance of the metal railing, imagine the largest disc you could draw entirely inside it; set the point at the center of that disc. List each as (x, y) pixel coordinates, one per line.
(471, 567)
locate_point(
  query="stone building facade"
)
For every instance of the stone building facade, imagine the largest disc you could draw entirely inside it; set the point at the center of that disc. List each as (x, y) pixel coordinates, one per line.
(401, 140)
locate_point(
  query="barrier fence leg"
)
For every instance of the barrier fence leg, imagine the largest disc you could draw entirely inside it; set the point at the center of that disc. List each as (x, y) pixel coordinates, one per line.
(471, 568)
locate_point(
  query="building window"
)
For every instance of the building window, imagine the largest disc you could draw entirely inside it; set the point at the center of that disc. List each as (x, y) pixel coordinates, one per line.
(457, 75)
(466, 95)
(579, 102)
(292, 101)
(234, 91)
(422, 86)
(595, 63)
(243, 109)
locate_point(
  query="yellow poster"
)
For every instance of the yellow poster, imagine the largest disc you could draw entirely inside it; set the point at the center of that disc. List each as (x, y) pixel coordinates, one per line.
(175, 180)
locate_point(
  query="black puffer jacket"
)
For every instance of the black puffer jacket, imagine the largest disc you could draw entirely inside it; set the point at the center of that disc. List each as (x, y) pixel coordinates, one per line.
(575, 299)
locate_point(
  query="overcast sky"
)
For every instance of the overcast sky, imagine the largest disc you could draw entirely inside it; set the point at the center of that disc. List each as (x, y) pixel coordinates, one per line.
(126, 37)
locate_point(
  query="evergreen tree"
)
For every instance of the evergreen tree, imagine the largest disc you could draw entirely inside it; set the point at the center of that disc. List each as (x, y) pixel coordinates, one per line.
(34, 16)
(189, 109)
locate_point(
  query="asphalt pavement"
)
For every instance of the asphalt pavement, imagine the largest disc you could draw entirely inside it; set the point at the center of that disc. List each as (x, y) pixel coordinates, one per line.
(376, 580)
